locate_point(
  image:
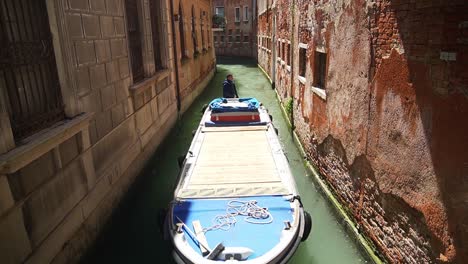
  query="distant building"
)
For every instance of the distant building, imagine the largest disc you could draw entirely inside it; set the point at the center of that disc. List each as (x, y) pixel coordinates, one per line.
(234, 28)
(88, 90)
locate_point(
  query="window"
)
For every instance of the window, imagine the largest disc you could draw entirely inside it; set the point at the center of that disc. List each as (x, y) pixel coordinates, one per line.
(320, 69)
(237, 14)
(230, 39)
(28, 69)
(219, 11)
(230, 32)
(238, 38)
(155, 7)
(134, 39)
(288, 54)
(182, 33)
(194, 32)
(215, 38)
(201, 30)
(222, 39)
(283, 51)
(246, 38)
(302, 61)
(279, 49)
(246, 13)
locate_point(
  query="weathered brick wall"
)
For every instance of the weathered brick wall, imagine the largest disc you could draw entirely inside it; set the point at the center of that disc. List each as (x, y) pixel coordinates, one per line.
(419, 52)
(389, 136)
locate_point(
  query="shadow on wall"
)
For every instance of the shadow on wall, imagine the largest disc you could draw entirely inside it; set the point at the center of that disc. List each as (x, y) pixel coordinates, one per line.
(418, 134)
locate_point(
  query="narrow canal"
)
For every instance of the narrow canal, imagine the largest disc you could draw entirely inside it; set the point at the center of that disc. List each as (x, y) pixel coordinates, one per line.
(132, 235)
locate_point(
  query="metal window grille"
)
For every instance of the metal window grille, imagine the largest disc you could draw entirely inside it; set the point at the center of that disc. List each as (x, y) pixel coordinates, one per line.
(201, 30)
(181, 32)
(134, 40)
(194, 32)
(28, 67)
(156, 24)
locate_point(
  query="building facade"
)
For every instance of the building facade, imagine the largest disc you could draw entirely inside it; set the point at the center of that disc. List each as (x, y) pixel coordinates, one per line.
(378, 95)
(89, 89)
(237, 35)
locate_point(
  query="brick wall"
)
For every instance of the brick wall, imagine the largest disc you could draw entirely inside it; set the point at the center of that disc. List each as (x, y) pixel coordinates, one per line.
(386, 132)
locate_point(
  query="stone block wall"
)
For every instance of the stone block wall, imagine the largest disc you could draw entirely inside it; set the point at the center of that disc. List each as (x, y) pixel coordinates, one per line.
(197, 64)
(387, 131)
(59, 187)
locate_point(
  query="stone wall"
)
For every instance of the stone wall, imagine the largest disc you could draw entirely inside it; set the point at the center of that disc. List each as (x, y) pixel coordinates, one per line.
(239, 38)
(387, 131)
(59, 186)
(198, 62)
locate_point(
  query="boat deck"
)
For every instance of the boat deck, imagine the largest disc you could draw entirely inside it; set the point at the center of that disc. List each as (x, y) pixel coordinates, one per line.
(234, 161)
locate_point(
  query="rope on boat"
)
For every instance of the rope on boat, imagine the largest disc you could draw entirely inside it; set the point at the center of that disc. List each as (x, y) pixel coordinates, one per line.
(253, 213)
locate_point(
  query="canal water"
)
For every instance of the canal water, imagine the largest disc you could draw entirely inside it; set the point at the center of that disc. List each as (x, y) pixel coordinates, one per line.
(132, 235)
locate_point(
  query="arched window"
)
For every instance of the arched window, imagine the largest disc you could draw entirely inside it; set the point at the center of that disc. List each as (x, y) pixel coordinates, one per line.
(194, 32)
(181, 32)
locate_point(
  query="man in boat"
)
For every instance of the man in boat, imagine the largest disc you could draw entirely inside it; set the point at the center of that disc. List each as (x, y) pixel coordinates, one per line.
(229, 87)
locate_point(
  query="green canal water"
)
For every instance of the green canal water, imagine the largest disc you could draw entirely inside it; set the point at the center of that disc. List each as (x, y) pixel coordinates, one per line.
(132, 234)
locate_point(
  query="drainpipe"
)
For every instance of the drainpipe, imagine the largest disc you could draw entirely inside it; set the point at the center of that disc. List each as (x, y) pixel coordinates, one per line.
(176, 59)
(293, 48)
(212, 10)
(273, 52)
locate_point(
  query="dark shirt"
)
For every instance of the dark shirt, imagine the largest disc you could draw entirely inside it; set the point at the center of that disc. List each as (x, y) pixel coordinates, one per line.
(229, 89)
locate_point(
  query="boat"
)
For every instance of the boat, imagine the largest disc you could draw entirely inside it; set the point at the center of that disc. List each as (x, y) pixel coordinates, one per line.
(236, 200)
